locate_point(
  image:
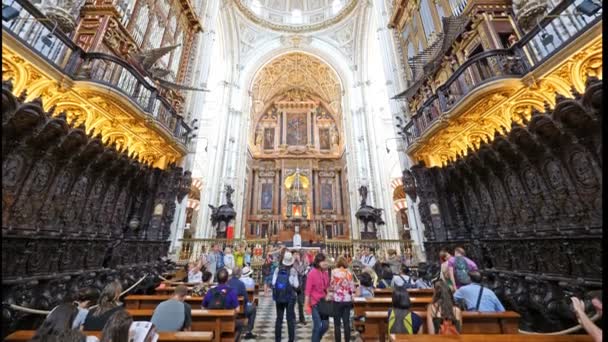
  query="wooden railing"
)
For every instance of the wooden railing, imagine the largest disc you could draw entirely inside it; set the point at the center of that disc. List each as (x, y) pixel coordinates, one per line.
(36, 31)
(563, 23)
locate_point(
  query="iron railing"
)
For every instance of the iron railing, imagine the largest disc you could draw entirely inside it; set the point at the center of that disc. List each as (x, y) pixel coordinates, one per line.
(563, 23)
(35, 31)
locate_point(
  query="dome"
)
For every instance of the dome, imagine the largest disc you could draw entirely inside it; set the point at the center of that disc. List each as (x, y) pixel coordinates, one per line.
(296, 15)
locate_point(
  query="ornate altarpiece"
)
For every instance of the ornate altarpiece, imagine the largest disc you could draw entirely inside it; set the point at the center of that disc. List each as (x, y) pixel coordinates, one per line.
(297, 172)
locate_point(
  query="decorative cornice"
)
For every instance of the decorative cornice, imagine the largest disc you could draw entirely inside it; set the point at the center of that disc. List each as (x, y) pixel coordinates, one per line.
(344, 12)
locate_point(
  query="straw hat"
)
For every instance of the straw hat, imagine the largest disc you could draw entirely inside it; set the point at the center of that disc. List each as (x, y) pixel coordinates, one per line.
(247, 271)
(288, 259)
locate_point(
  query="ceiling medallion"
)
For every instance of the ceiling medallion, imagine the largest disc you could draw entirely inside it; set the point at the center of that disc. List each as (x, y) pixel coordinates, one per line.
(296, 28)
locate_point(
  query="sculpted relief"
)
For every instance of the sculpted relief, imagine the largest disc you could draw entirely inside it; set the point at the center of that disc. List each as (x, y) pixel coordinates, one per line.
(545, 198)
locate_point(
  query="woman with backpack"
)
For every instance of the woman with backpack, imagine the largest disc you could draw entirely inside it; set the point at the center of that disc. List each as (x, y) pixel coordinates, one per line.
(317, 285)
(443, 317)
(400, 319)
(284, 284)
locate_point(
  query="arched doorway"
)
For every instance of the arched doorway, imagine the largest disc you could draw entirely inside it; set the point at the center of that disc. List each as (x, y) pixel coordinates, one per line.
(400, 209)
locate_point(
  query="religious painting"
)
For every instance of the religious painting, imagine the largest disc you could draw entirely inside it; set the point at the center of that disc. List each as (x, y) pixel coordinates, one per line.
(296, 210)
(326, 196)
(324, 141)
(268, 138)
(296, 130)
(266, 196)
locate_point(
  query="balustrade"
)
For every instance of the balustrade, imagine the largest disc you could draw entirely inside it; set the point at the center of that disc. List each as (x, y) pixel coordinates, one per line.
(37, 32)
(561, 26)
(191, 249)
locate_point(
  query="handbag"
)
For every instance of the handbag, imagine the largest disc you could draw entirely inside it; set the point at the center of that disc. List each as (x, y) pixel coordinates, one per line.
(326, 307)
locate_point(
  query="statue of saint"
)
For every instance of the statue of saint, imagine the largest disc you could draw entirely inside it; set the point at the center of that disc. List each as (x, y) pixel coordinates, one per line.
(334, 135)
(297, 239)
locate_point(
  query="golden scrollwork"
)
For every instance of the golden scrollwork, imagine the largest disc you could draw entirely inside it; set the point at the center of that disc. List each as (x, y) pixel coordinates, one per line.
(478, 118)
(103, 112)
(297, 71)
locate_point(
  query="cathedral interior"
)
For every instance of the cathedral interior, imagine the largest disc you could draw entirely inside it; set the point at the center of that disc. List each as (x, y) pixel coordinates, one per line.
(137, 134)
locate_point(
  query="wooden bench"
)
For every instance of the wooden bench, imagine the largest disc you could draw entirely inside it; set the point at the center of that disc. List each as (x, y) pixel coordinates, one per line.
(361, 305)
(152, 301)
(493, 338)
(182, 336)
(169, 289)
(376, 323)
(221, 322)
(414, 293)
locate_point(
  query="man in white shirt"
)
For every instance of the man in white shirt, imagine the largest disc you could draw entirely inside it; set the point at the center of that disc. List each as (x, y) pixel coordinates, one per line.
(368, 258)
(246, 278)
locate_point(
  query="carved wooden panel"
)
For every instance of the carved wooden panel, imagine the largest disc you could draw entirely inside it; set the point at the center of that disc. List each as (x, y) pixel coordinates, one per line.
(527, 208)
(74, 206)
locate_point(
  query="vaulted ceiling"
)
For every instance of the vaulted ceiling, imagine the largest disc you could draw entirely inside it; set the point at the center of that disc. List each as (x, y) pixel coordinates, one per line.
(296, 71)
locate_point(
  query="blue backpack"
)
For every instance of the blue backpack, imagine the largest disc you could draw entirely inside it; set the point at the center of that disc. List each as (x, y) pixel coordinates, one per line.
(220, 261)
(283, 292)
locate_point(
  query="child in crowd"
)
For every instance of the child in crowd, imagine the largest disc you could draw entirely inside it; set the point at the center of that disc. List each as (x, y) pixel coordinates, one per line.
(248, 257)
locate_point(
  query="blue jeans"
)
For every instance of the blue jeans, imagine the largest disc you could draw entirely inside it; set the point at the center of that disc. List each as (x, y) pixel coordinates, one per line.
(320, 324)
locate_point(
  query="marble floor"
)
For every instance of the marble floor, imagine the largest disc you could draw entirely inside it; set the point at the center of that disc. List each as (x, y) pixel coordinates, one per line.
(265, 320)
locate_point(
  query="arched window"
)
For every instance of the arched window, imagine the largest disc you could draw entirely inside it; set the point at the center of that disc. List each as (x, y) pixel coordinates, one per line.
(336, 6)
(139, 29)
(427, 18)
(296, 16)
(256, 7)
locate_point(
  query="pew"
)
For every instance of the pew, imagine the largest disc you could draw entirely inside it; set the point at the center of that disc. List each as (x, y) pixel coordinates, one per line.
(151, 301)
(221, 322)
(361, 305)
(493, 338)
(181, 336)
(376, 323)
(414, 293)
(169, 289)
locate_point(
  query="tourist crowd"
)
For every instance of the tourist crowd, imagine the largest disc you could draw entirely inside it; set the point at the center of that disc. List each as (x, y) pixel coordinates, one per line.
(296, 277)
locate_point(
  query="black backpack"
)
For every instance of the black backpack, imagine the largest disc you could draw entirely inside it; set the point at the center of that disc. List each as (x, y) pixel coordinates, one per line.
(218, 299)
(406, 284)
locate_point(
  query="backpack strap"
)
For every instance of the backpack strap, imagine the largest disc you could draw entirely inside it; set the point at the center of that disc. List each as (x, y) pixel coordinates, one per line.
(479, 298)
(407, 320)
